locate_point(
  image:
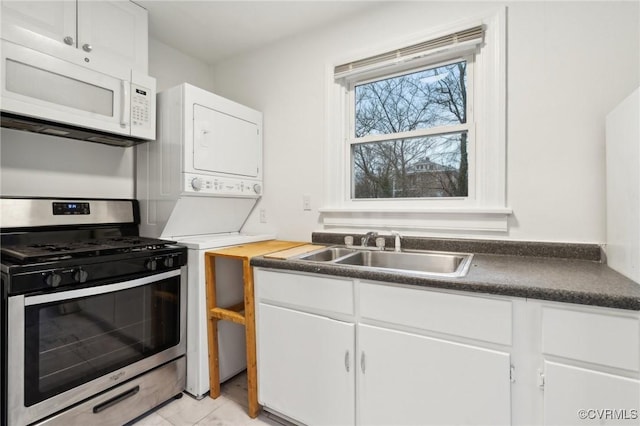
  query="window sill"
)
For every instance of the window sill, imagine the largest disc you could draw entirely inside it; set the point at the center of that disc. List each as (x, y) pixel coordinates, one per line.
(492, 220)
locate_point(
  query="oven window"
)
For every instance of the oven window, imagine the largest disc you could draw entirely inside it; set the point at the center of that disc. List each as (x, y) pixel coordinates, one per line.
(71, 342)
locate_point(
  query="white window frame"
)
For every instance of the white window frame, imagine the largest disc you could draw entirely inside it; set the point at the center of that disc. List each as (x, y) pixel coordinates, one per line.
(430, 131)
(484, 210)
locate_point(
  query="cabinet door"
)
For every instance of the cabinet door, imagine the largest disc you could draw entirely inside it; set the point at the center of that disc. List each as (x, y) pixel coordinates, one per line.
(407, 379)
(605, 398)
(305, 366)
(114, 31)
(55, 20)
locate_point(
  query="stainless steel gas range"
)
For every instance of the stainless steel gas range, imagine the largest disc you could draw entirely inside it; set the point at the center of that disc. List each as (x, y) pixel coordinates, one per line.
(93, 315)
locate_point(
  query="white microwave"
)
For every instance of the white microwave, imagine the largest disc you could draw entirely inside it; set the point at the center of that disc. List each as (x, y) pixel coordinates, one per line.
(45, 94)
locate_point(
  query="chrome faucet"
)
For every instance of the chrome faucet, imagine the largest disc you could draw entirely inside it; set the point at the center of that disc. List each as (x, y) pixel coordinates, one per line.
(364, 241)
(397, 241)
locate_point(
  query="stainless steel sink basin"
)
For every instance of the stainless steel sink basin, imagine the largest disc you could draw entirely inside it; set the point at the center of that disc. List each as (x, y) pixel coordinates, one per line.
(327, 254)
(432, 263)
(428, 263)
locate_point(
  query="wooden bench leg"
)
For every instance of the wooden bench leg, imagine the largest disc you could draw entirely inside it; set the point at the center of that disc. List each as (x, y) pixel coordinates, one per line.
(214, 360)
(250, 331)
(212, 329)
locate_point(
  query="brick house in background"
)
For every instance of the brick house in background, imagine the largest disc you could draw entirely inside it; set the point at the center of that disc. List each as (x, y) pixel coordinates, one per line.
(429, 179)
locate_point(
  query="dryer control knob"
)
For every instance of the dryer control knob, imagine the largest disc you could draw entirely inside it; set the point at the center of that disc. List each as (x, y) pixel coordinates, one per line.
(257, 188)
(196, 184)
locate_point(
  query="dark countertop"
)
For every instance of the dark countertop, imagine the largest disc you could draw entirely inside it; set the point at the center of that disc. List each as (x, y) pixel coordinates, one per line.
(579, 281)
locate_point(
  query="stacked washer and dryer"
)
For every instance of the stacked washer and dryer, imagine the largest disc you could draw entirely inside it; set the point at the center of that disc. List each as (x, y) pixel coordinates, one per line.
(197, 184)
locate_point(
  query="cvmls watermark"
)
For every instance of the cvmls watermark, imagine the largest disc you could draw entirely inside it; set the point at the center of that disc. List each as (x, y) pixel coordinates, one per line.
(608, 414)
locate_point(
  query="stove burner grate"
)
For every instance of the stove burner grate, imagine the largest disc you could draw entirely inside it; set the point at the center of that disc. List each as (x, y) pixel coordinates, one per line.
(48, 251)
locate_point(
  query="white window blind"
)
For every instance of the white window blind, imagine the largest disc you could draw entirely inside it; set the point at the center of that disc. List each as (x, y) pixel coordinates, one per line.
(459, 41)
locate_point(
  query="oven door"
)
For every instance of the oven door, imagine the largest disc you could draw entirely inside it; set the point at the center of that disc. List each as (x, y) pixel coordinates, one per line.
(67, 346)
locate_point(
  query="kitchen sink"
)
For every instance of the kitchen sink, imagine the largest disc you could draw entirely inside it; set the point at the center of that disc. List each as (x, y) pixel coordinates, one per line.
(327, 254)
(428, 263)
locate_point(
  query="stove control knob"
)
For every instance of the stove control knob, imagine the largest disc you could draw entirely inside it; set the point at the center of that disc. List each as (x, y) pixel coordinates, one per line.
(196, 184)
(151, 265)
(257, 188)
(80, 275)
(168, 262)
(52, 279)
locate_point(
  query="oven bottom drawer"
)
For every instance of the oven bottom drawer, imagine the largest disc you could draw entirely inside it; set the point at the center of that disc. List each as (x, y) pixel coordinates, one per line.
(127, 401)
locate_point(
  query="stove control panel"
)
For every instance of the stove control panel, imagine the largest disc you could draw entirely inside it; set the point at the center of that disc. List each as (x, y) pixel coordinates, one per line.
(227, 186)
(65, 276)
(70, 208)
(95, 271)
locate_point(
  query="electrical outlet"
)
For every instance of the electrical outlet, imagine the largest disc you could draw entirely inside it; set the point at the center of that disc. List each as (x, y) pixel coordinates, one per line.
(306, 202)
(263, 216)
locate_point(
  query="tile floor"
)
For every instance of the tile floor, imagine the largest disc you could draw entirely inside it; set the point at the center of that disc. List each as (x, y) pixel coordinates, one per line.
(230, 408)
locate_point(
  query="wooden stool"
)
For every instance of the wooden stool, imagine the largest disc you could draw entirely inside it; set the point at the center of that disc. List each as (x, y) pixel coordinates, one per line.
(241, 313)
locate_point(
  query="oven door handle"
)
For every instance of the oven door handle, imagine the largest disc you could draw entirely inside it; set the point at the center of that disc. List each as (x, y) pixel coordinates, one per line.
(102, 289)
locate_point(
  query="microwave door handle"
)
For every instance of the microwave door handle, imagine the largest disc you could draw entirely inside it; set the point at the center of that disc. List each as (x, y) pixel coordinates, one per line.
(124, 105)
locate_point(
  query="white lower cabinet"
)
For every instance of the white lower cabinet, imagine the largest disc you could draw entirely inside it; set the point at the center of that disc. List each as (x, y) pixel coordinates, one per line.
(312, 351)
(306, 366)
(305, 337)
(578, 396)
(408, 379)
(591, 366)
(338, 351)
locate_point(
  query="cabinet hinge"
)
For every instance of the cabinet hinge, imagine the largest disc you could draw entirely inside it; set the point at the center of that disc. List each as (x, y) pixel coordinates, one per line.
(512, 374)
(540, 380)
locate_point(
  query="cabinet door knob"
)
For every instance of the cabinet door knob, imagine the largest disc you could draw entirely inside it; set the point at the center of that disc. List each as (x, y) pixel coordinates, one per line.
(362, 367)
(87, 47)
(68, 40)
(346, 361)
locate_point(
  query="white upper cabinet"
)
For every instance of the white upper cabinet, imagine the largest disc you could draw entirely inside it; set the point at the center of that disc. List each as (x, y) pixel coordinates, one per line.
(109, 36)
(55, 20)
(114, 29)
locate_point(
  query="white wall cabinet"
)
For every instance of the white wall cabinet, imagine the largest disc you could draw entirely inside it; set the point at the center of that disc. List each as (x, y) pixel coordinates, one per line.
(109, 36)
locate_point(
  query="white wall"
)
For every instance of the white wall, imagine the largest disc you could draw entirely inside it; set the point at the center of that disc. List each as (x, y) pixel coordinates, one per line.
(38, 165)
(568, 65)
(171, 67)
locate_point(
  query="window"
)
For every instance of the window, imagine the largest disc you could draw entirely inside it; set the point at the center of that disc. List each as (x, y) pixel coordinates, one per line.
(410, 133)
(417, 135)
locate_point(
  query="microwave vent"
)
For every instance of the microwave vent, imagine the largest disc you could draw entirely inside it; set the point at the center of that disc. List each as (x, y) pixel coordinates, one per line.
(109, 140)
(55, 132)
(30, 124)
